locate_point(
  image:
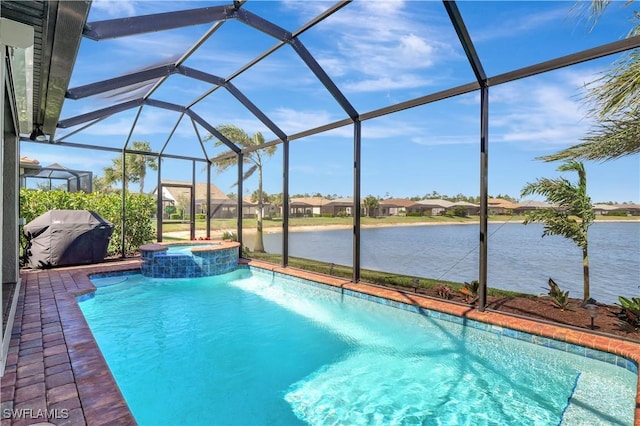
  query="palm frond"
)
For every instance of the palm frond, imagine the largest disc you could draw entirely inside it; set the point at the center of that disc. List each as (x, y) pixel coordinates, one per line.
(571, 201)
(222, 164)
(619, 88)
(613, 138)
(249, 172)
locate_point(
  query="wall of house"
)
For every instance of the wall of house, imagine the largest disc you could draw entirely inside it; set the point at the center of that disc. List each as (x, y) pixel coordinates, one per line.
(10, 194)
(9, 211)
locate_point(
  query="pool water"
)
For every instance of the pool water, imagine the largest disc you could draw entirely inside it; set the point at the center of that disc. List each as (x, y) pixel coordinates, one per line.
(244, 348)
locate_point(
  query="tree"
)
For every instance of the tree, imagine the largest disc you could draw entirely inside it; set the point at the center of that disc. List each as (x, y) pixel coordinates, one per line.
(616, 102)
(254, 158)
(101, 185)
(136, 165)
(255, 196)
(573, 215)
(277, 201)
(371, 204)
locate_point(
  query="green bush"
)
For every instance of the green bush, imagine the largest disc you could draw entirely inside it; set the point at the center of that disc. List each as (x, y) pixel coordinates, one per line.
(414, 214)
(341, 213)
(139, 211)
(201, 216)
(457, 211)
(231, 236)
(175, 216)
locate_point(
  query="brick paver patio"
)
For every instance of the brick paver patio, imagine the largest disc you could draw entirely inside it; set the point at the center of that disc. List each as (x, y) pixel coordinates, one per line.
(55, 371)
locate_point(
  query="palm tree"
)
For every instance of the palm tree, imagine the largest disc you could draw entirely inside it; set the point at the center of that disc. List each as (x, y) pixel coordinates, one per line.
(573, 214)
(136, 165)
(255, 158)
(616, 100)
(277, 201)
(371, 204)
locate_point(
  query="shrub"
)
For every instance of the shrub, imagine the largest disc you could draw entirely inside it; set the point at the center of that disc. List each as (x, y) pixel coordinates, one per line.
(231, 236)
(630, 311)
(443, 291)
(561, 300)
(558, 297)
(458, 211)
(470, 291)
(342, 213)
(175, 216)
(201, 216)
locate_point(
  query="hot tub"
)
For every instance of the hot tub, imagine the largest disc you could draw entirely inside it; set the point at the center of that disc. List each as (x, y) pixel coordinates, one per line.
(189, 260)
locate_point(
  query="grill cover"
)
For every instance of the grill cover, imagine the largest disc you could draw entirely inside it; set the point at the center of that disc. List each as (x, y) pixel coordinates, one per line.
(67, 237)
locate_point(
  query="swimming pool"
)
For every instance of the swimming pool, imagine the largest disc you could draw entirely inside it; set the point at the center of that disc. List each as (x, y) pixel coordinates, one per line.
(250, 347)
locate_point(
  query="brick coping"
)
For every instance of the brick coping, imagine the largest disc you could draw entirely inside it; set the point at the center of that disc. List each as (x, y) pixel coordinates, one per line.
(55, 367)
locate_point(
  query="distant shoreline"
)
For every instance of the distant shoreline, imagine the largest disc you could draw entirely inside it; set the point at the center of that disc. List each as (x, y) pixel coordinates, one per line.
(315, 228)
(331, 227)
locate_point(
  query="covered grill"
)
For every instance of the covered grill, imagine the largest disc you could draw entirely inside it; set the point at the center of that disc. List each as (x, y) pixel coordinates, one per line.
(67, 237)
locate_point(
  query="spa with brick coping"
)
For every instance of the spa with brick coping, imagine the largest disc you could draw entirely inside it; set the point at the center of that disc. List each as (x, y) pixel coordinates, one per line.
(202, 260)
(55, 364)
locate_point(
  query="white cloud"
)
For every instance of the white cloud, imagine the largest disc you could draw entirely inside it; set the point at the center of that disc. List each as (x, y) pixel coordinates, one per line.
(404, 81)
(296, 120)
(542, 113)
(503, 25)
(112, 8)
(369, 43)
(445, 140)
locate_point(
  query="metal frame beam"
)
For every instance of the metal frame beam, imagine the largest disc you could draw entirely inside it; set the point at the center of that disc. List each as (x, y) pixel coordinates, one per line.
(484, 198)
(285, 203)
(159, 204)
(465, 39)
(481, 77)
(357, 157)
(200, 75)
(316, 69)
(173, 130)
(165, 105)
(567, 60)
(255, 110)
(116, 150)
(120, 82)
(240, 201)
(213, 131)
(263, 25)
(123, 27)
(99, 113)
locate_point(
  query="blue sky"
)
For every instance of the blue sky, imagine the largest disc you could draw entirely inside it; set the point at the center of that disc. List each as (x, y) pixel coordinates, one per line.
(378, 53)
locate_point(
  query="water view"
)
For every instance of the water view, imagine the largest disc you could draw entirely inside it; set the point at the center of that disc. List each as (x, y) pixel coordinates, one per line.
(519, 259)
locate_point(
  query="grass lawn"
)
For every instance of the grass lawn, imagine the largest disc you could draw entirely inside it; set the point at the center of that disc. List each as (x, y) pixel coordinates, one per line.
(375, 277)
